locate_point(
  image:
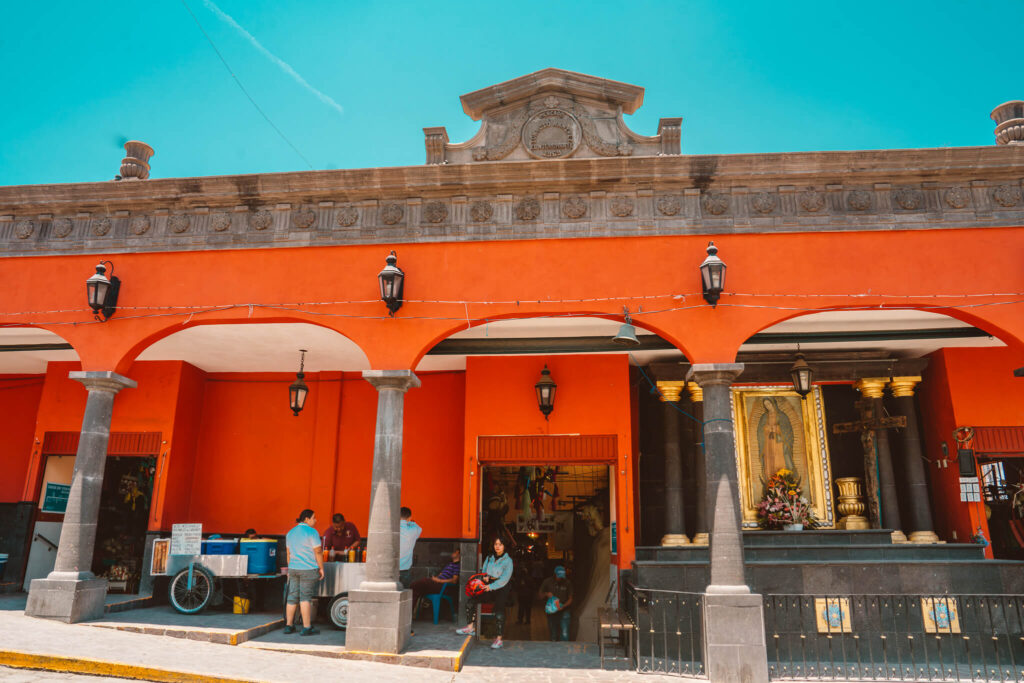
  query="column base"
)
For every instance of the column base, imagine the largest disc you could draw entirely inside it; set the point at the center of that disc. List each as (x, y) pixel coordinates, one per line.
(67, 600)
(734, 638)
(701, 539)
(674, 540)
(923, 537)
(378, 621)
(853, 522)
(898, 537)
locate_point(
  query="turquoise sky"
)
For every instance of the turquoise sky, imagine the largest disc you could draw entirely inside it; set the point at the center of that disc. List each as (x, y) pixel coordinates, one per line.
(79, 77)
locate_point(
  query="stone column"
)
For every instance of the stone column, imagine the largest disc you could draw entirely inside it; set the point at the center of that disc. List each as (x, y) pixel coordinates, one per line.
(734, 640)
(920, 523)
(872, 389)
(700, 527)
(380, 612)
(71, 592)
(675, 527)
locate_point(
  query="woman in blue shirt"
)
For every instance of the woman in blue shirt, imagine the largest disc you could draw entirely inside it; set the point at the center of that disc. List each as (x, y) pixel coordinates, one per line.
(498, 570)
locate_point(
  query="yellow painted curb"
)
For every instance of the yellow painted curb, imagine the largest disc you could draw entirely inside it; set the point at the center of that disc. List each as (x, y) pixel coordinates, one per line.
(82, 665)
(462, 653)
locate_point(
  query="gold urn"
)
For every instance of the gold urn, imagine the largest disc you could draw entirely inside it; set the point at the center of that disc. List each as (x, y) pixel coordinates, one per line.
(851, 503)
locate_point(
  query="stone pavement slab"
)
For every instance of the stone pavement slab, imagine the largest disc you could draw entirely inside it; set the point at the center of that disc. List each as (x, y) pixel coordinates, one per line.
(211, 626)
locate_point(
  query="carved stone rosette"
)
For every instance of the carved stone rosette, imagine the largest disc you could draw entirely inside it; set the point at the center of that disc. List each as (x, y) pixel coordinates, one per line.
(481, 211)
(956, 197)
(764, 202)
(851, 504)
(527, 209)
(859, 200)
(716, 203)
(392, 213)
(101, 227)
(669, 204)
(179, 223)
(347, 216)
(304, 218)
(24, 229)
(574, 207)
(220, 221)
(62, 227)
(435, 212)
(1007, 195)
(908, 198)
(812, 201)
(621, 206)
(260, 220)
(139, 225)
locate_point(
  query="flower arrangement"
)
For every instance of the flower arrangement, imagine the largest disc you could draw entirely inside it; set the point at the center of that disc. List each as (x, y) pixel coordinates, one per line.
(783, 503)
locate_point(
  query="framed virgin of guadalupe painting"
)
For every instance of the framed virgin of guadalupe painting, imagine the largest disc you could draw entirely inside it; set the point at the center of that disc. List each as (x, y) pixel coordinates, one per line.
(777, 430)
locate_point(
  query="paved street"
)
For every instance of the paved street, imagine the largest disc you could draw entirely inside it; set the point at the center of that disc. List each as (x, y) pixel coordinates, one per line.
(9, 675)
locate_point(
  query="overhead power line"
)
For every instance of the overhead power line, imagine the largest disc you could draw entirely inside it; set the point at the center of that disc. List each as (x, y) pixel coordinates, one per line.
(242, 87)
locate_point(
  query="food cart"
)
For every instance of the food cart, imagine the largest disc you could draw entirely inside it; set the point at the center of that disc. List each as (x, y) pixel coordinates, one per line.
(339, 579)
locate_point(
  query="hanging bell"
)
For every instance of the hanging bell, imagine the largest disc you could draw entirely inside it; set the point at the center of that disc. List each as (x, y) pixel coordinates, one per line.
(626, 335)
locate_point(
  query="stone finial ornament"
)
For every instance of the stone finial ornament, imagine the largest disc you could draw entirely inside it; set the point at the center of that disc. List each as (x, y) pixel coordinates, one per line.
(1009, 118)
(135, 166)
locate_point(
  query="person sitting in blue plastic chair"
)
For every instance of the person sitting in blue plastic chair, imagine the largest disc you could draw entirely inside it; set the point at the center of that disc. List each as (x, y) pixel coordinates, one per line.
(432, 586)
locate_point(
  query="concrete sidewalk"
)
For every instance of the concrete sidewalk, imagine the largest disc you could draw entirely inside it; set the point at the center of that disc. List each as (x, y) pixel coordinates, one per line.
(98, 649)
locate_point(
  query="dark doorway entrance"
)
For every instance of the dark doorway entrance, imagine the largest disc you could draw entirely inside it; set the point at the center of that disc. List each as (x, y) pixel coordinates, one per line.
(123, 520)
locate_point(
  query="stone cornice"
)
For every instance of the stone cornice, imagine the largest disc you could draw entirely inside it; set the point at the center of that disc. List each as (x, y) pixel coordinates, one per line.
(598, 197)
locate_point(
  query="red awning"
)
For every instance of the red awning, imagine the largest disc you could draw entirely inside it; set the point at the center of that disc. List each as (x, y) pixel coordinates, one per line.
(998, 441)
(121, 443)
(594, 449)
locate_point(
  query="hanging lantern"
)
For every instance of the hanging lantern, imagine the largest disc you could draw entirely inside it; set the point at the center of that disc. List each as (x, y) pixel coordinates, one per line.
(712, 275)
(545, 388)
(802, 375)
(101, 292)
(392, 283)
(298, 390)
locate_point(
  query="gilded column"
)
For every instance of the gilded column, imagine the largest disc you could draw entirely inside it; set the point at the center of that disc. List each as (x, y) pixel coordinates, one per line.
(675, 527)
(380, 611)
(920, 522)
(71, 592)
(700, 527)
(871, 389)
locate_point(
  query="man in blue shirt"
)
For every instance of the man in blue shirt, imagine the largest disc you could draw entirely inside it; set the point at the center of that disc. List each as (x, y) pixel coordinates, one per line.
(408, 532)
(305, 571)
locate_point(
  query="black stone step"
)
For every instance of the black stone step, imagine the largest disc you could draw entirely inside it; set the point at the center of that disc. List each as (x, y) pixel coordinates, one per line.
(817, 554)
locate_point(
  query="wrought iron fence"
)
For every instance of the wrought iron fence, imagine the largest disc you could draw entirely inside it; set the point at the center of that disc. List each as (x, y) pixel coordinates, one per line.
(895, 637)
(669, 631)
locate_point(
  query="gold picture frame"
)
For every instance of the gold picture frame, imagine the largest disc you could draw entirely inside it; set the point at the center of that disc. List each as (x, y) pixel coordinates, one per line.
(775, 428)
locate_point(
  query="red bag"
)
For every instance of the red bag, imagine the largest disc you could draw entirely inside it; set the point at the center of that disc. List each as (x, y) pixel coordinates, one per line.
(476, 585)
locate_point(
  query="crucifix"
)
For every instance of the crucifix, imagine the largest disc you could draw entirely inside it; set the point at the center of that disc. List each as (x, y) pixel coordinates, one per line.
(879, 480)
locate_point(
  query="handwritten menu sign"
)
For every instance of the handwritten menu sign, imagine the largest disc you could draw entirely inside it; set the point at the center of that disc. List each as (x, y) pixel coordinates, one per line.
(186, 539)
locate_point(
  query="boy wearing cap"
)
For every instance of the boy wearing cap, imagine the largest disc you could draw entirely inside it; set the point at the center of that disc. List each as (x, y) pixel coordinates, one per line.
(560, 588)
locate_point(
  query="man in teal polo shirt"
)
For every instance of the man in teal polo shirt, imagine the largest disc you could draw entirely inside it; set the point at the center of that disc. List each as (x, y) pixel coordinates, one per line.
(305, 571)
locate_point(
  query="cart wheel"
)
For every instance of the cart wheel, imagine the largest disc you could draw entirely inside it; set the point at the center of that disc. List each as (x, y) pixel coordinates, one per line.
(339, 611)
(190, 601)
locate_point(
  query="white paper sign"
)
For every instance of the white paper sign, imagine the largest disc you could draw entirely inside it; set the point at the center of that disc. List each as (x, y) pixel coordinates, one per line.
(186, 539)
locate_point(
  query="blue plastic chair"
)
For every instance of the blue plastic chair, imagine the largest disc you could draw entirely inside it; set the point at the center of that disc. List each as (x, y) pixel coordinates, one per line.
(435, 601)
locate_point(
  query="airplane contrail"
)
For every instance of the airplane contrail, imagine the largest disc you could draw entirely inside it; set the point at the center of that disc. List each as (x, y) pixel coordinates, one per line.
(272, 57)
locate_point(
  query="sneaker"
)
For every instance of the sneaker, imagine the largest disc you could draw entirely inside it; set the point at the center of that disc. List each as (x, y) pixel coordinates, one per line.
(466, 631)
(310, 631)
(289, 629)
(497, 645)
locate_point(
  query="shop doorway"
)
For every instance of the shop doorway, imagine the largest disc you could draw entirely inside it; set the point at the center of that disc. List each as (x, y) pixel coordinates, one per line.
(1002, 482)
(554, 516)
(123, 520)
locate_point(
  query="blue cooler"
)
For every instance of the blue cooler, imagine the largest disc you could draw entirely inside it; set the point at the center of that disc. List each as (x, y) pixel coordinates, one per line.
(220, 546)
(262, 554)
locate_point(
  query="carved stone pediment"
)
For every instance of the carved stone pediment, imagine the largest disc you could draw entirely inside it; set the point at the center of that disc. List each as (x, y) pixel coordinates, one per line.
(552, 114)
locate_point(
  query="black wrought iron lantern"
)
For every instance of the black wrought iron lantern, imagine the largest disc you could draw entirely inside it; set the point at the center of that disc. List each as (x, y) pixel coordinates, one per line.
(102, 292)
(298, 390)
(545, 388)
(712, 275)
(802, 375)
(392, 283)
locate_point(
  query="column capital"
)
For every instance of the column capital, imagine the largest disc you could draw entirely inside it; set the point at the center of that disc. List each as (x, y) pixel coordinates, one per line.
(400, 380)
(714, 374)
(871, 387)
(103, 380)
(696, 393)
(903, 386)
(670, 390)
